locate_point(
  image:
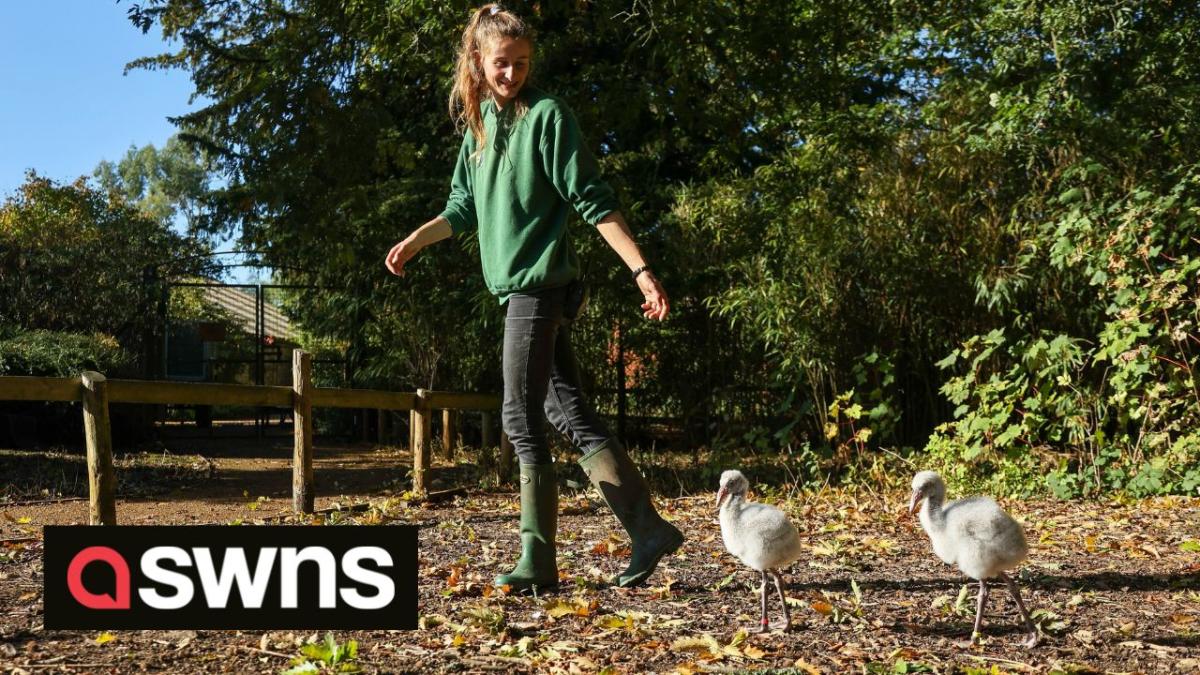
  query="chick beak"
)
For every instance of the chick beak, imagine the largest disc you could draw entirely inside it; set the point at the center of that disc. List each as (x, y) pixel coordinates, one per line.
(914, 502)
(721, 495)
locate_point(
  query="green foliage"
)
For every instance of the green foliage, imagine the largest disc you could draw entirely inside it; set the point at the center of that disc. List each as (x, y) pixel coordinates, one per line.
(325, 657)
(161, 184)
(1085, 373)
(1116, 407)
(72, 261)
(852, 419)
(57, 354)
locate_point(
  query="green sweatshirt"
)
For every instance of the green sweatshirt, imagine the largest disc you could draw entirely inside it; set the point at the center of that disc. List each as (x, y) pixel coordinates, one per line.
(519, 191)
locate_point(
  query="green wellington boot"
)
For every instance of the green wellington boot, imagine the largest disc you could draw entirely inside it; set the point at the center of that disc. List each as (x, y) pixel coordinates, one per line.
(624, 489)
(539, 521)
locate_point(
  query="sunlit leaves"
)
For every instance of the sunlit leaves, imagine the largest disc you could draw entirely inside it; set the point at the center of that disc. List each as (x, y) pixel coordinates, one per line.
(707, 648)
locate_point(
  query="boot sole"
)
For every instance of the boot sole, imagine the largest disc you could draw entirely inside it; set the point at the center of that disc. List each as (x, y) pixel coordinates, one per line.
(526, 589)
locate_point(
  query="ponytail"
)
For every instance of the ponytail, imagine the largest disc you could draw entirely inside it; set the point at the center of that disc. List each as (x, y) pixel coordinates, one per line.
(487, 24)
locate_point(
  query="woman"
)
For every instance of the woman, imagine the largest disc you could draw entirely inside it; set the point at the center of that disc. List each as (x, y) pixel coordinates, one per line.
(522, 167)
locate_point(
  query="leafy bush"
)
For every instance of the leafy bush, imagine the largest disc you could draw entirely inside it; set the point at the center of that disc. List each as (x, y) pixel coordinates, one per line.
(71, 260)
(1118, 406)
(58, 354)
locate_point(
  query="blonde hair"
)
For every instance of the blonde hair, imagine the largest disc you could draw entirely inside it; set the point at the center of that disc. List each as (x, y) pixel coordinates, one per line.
(488, 24)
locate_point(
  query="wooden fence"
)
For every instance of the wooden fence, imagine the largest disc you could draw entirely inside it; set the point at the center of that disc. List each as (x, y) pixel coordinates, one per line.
(96, 393)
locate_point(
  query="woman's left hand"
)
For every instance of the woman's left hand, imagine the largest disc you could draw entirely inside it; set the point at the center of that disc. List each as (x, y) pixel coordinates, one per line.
(656, 305)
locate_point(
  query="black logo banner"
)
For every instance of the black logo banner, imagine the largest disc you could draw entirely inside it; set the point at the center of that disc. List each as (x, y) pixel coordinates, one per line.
(227, 577)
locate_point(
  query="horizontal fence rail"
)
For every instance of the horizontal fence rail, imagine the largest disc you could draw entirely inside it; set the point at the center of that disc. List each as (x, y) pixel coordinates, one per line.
(449, 400)
(97, 393)
(41, 389)
(364, 398)
(197, 393)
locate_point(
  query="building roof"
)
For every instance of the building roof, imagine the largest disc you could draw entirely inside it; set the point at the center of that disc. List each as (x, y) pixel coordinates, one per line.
(240, 304)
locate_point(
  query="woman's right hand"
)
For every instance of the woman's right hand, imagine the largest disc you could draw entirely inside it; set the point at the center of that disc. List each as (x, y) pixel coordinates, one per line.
(400, 254)
(429, 233)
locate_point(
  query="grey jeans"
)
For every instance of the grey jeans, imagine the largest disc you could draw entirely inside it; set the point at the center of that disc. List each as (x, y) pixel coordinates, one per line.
(541, 379)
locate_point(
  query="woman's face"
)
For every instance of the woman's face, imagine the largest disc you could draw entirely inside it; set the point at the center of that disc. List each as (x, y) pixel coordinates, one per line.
(505, 65)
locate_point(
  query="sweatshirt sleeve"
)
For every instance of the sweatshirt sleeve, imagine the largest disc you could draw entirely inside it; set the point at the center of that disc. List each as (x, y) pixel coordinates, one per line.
(460, 205)
(573, 170)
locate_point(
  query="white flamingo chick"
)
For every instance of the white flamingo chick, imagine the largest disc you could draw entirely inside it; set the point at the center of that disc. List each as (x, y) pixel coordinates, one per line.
(759, 535)
(976, 535)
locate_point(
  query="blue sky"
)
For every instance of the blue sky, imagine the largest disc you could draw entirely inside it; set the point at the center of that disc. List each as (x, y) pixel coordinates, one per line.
(65, 103)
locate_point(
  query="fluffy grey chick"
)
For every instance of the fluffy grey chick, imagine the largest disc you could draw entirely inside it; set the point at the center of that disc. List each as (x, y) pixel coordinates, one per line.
(759, 535)
(976, 535)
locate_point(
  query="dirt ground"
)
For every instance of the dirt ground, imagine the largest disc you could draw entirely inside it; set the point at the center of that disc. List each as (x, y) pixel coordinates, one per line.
(1114, 585)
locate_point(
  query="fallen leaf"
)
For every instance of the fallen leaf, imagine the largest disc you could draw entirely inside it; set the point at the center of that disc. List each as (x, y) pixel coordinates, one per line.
(1132, 644)
(584, 663)
(703, 645)
(731, 650)
(611, 621)
(753, 652)
(612, 547)
(807, 667)
(738, 638)
(558, 608)
(723, 582)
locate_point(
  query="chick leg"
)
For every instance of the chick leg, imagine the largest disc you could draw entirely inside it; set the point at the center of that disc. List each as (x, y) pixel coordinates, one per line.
(787, 613)
(1012, 588)
(763, 623)
(983, 593)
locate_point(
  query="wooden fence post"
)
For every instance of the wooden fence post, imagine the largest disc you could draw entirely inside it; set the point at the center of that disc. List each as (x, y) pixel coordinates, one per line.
(381, 427)
(303, 492)
(449, 432)
(422, 435)
(102, 480)
(504, 465)
(486, 432)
